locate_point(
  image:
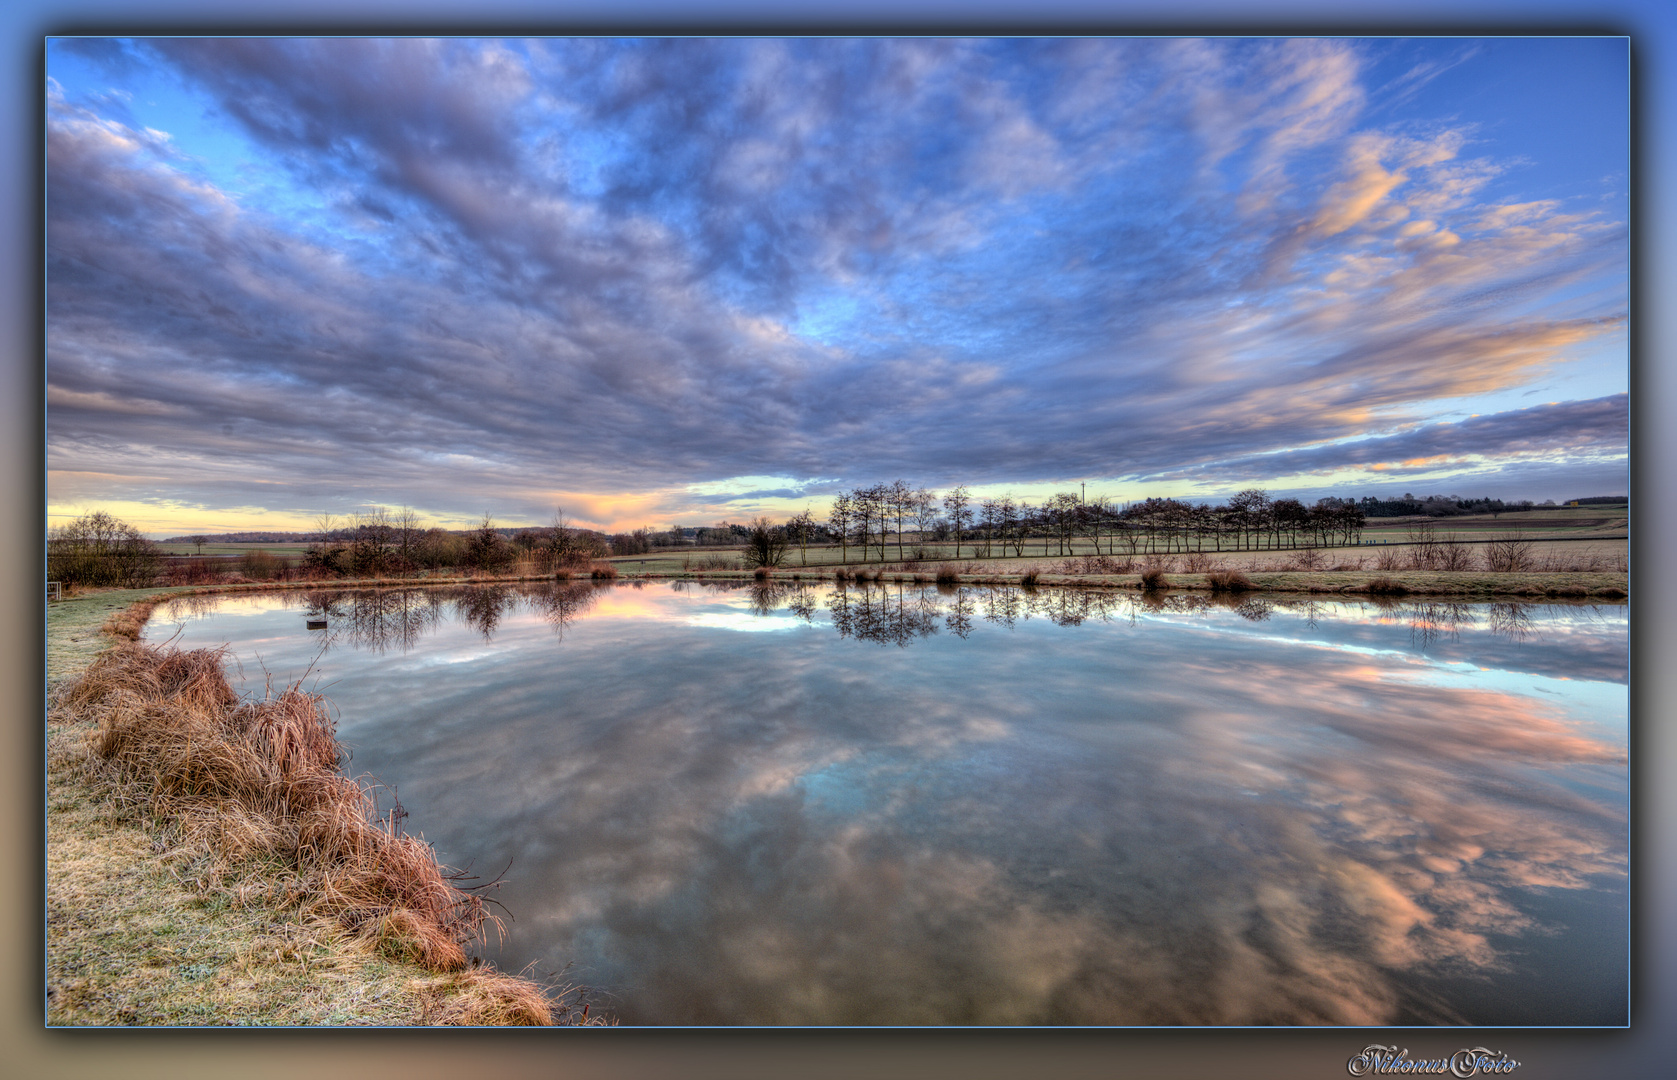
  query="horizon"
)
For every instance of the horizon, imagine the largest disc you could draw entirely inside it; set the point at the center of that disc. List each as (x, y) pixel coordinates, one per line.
(501, 526)
(661, 280)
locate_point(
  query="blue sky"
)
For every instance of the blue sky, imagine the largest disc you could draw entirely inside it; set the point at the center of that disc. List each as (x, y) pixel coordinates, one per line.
(690, 279)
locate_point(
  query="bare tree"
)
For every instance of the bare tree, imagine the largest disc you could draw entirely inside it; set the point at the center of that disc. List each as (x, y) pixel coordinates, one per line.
(925, 512)
(900, 498)
(1019, 523)
(990, 517)
(406, 523)
(561, 539)
(801, 526)
(766, 545)
(958, 505)
(868, 505)
(840, 520)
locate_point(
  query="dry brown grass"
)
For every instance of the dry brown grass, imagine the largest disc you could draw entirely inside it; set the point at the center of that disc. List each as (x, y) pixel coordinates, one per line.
(252, 792)
(1230, 581)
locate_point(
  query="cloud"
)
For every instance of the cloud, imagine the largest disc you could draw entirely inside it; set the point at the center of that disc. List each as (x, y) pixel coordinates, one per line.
(493, 272)
(1577, 430)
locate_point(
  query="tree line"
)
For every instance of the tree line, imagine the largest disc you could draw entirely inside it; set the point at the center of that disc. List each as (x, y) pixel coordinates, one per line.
(884, 520)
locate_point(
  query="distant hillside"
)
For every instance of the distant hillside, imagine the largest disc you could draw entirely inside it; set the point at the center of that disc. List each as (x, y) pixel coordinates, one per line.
(244, 538)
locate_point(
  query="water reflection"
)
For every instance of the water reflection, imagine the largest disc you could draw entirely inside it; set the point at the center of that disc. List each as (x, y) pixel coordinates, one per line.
(1053, 808)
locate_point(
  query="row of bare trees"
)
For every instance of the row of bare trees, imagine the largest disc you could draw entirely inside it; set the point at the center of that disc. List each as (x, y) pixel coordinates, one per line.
(874, 519)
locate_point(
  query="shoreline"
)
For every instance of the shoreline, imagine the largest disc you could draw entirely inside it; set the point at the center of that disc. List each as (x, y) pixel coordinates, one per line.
(1518, 585)
(169, 907)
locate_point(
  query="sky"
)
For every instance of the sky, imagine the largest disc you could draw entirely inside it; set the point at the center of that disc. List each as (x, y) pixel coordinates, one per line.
(657, 281)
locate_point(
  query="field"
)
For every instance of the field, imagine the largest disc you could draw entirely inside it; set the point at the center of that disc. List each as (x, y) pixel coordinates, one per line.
(295, 550)
(1568, 539)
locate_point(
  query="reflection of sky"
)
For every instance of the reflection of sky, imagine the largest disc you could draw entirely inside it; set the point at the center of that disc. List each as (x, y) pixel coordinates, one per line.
(1191, 817)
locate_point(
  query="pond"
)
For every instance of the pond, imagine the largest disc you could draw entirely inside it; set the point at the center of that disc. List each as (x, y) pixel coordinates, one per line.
(904, 804)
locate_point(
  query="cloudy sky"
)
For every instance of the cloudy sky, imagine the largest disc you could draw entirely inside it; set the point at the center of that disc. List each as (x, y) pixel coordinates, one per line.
(660, 281)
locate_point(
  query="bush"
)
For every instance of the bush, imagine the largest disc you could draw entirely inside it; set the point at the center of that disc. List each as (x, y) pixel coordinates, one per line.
(946, 574)
(193, 572)
(1510, 555)
(1385, 586)
(603, 571)
(1153, 579)
(259, 565)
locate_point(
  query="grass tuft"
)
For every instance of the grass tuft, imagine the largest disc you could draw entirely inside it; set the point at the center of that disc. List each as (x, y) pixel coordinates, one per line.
(253, 782)
(1230, 581)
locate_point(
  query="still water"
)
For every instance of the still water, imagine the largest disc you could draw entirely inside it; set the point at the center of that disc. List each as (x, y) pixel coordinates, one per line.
(895, 804)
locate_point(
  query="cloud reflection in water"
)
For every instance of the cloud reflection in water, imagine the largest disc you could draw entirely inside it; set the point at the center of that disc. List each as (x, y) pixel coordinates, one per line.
(1026, 808)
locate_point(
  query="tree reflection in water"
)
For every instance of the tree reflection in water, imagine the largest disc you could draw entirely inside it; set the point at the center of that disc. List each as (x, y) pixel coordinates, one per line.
(891, 613)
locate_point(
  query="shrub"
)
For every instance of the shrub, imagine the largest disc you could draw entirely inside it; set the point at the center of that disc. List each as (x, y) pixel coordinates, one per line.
(259, 565)
(192, 572)
(1510, 555)
(1097, 564)
(1030, 578)
(1308, 559)
(603, 571)
(1196, 563)
(1153, 579)
(1385, 586)
(946, 574)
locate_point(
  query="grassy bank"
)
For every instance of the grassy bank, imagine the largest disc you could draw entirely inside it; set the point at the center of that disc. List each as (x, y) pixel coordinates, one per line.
(208, 863)
(1466, 584)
